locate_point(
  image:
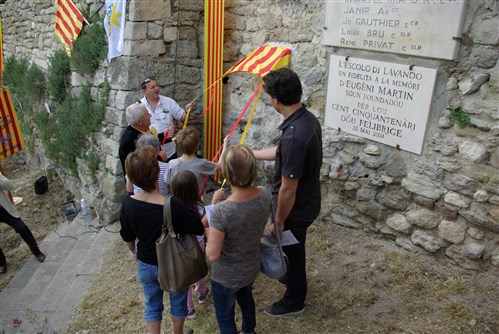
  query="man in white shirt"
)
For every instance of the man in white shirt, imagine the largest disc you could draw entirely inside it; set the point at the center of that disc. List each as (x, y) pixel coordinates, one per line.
(162, 110)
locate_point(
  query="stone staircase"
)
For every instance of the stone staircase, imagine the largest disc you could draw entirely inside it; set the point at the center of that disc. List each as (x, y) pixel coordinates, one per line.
(41, 297)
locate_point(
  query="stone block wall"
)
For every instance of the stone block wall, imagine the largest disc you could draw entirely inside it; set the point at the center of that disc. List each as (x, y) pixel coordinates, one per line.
(444, 201)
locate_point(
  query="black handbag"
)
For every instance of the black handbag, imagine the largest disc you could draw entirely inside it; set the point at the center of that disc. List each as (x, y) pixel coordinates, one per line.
(41, 185)
(181, 262)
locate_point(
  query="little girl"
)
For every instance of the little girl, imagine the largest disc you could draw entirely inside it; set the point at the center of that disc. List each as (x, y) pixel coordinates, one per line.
(184, 187)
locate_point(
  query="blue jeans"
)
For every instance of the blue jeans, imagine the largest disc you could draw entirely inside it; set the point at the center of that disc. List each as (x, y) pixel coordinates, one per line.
(148, 276)
(225, 301)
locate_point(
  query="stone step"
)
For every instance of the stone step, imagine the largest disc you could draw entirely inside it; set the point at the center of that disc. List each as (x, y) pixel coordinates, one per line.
(87, 272)
(43, 296)
(62, 280)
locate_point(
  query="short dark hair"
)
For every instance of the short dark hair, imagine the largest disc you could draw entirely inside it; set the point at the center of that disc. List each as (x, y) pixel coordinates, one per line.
(146, 81)
(142, 167)
(284, 85)
(188, 139)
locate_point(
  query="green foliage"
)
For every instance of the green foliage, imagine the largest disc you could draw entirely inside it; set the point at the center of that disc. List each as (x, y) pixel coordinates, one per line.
(13, 73)
(28, 88)
(58, 77)
(41, 120)
(35, 86)
(92, 159)
(460, 117)
(63, 132)
(89, 49)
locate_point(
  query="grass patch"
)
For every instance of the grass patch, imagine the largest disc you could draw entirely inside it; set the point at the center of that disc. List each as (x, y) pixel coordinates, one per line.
(457, 311)
(358, 298)
(460, 117)
(451, 286)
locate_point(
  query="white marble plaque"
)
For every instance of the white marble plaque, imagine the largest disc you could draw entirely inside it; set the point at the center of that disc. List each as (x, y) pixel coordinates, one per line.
(385, 102)
(415, 27)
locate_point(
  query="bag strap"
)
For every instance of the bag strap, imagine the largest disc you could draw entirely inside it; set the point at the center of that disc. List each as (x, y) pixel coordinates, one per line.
(277, 236)
(167, 218)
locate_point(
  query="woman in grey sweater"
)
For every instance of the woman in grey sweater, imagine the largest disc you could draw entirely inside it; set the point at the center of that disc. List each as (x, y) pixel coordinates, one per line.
(236, 227)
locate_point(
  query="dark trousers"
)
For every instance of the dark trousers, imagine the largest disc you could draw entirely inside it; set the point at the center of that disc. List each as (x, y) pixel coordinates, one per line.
(3, 261)
(296, 275)
(18, 225)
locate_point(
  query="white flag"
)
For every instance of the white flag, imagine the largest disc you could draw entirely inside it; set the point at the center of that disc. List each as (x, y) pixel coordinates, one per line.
(114, 23)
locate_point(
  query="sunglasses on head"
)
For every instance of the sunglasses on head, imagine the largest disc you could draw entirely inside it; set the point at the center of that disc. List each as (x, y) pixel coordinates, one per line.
(146, 81)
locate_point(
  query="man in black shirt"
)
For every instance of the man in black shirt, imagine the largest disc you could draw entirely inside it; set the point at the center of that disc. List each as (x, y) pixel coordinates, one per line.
(139, 121)
(295, 185)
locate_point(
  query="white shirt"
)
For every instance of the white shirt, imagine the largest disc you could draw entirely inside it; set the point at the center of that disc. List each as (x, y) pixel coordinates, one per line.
(162, 118)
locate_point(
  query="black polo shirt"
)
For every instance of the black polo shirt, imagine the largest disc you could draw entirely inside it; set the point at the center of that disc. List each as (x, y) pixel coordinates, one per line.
(299, 156)
(127, 144)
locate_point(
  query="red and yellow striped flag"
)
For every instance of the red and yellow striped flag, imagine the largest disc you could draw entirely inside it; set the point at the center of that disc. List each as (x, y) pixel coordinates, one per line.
(11, 138)
(68, 23)
(213, 69)
(262, 60)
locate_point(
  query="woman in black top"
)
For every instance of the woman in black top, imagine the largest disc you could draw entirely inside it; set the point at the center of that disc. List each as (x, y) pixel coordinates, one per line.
(142, 218)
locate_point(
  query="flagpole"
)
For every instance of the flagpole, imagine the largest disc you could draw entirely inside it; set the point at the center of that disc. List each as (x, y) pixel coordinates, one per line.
(98, 10)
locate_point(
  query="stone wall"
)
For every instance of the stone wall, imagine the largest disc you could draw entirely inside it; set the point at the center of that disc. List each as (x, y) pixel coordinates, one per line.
(444, 201)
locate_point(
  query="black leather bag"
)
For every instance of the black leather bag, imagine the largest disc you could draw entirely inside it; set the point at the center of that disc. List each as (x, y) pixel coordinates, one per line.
(41, 185)
(181, 262)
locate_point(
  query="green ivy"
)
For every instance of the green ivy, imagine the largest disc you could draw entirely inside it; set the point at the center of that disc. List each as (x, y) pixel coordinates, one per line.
(58, 75)
(460, 117)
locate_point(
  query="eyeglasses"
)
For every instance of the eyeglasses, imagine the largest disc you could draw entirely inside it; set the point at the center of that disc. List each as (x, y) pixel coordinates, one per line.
(146, 81)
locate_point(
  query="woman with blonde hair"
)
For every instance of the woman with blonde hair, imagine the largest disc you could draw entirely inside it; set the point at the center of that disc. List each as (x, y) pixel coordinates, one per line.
(236, 227)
